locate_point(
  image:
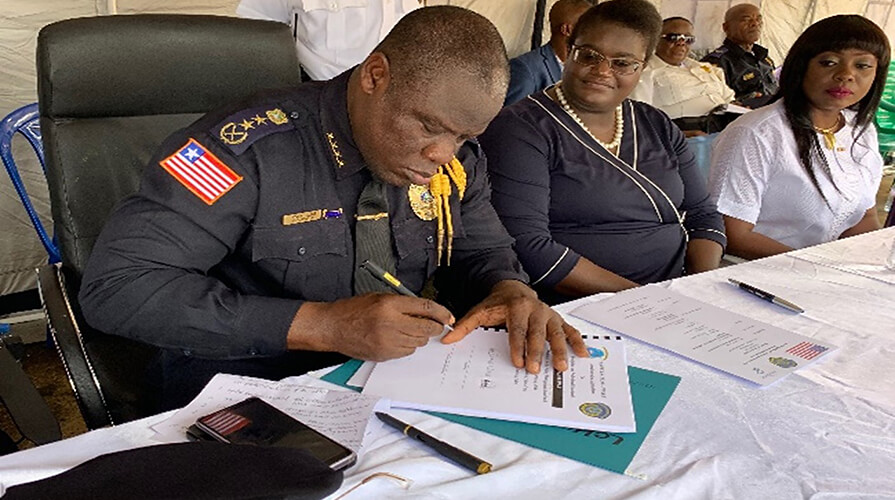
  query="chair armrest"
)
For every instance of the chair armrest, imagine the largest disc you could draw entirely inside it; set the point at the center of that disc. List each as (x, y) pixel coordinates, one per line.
(70, 345)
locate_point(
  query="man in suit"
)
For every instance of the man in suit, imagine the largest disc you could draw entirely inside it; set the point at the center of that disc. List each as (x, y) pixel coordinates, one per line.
(542, 67)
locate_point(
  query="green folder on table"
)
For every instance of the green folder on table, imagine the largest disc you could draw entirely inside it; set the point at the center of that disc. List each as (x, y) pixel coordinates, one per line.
(650, 391)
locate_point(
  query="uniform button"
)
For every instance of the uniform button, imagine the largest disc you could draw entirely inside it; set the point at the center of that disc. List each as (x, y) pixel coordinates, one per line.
(334, 6)
(187, 352)
(253, 352)
(294, 115)
(302, 250)
(430, 239)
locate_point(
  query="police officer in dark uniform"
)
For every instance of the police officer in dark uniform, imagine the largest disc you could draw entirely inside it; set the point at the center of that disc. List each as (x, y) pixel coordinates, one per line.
(240, 252)
(747, 68)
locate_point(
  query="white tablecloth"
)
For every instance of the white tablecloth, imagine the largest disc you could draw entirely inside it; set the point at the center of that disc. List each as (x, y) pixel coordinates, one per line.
(827, 431)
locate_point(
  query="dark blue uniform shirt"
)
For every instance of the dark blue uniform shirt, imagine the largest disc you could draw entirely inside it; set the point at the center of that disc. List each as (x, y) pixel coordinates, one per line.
(749, 74)
(223, 280)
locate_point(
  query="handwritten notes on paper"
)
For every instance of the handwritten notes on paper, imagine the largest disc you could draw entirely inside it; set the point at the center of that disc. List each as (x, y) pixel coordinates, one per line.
(722, 339)
(339, 414)
(476, 378)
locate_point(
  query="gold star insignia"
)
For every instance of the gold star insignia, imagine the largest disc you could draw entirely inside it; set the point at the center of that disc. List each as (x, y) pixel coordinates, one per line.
(259, 120)
(334, 147)
(247, 125)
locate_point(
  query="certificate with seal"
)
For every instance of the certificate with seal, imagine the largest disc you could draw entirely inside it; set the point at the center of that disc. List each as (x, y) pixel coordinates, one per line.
(474, 377)
(722, 339)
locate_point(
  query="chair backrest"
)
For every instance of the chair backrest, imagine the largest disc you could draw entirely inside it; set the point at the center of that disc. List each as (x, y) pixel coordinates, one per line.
(702, 150)
(24, 121)
(110, 89)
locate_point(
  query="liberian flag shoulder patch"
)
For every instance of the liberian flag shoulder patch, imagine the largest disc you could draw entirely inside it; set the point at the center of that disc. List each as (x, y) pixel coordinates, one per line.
(200, 171)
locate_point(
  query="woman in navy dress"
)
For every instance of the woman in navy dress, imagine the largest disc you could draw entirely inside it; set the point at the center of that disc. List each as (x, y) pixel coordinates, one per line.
(600, 192)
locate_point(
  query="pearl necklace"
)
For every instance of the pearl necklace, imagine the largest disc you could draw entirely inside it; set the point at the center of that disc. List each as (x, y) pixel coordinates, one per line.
(619, 121)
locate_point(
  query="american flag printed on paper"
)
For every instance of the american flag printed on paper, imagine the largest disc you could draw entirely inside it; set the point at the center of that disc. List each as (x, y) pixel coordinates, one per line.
(226, 422)
(200, 171)
(807, 350)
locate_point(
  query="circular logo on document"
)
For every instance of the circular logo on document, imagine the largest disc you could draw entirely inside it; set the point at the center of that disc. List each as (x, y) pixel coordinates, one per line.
(598, 352)
(783, 362)
(596, 410)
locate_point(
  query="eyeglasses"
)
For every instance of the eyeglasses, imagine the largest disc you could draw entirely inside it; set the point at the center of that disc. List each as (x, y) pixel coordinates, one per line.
(619, 65)
(679, 37)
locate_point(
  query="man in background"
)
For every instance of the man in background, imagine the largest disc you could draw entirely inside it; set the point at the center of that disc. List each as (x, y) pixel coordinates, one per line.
(747, 68)
(333, 35)
(542, 67)
(693, 94)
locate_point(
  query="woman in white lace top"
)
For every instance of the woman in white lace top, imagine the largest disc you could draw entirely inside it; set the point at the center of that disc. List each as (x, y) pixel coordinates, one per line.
(805, 169)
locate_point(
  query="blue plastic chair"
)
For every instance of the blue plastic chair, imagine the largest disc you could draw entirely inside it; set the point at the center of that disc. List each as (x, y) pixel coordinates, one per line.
(702, 149)
(25, 121)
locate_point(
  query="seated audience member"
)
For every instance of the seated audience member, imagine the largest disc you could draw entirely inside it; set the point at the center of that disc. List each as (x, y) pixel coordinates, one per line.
(594, 186)
(805, 169)
(693, 94)
(331, 36)
(542, 67)
(747, 68)
(240, 253)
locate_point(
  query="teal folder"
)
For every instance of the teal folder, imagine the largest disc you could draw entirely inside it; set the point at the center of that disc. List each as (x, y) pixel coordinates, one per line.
(650, 391)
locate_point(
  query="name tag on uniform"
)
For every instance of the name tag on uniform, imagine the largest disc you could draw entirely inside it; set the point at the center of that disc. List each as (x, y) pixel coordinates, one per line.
(311, 216)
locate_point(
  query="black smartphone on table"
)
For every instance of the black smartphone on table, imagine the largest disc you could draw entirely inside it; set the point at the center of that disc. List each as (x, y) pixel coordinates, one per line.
(254, 421)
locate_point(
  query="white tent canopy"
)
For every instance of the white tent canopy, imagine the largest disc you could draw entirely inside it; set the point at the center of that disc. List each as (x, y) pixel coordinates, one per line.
(20, 21)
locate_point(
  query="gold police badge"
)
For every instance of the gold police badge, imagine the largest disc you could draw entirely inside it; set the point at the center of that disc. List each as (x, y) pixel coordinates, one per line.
(421, 201)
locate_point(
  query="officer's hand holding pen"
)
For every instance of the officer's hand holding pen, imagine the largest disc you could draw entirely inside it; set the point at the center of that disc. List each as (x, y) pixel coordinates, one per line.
(375, 326)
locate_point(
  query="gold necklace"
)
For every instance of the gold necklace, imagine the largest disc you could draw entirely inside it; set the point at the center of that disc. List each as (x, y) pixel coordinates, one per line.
(619, 122)
(829, 138)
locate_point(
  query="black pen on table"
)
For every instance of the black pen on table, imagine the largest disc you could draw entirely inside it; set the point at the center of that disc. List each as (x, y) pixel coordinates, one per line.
(768, 296)
(387, 278)
(452, 453)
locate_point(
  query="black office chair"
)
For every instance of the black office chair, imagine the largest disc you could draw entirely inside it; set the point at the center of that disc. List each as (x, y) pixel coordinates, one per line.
(110, 90)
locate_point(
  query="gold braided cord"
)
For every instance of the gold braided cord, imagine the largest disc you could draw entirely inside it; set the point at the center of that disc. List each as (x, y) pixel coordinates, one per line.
(455, 170)
(440, 187)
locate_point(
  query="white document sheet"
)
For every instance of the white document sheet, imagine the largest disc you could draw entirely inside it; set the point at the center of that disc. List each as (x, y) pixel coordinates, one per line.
(339, 414)
(756, 351)
(475, 377)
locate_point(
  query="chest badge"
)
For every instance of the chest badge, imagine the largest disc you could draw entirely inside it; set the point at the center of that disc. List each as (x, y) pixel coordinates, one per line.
(421, 201)
(748, 76)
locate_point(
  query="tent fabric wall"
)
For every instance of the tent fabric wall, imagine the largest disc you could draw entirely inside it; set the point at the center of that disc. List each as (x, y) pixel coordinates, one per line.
(20, 21)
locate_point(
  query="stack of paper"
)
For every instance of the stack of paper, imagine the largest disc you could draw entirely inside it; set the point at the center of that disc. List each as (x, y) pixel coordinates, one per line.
(475, 377)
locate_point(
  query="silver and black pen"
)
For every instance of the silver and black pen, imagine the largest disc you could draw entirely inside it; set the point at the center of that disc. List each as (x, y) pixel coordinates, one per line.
(768, 296)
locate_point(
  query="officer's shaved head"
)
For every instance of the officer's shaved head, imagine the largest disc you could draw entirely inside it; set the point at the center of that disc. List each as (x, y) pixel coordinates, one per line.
(445, 42)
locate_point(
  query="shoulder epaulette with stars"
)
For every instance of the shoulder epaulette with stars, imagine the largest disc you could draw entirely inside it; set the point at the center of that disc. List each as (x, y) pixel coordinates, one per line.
(239, 130)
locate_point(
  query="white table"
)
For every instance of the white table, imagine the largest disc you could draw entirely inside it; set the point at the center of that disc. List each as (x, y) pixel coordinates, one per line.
(827, 431)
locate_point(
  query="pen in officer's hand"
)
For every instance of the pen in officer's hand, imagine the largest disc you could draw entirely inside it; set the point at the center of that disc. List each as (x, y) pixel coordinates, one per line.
(387, 278)
(770, 297)
(457, 455)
